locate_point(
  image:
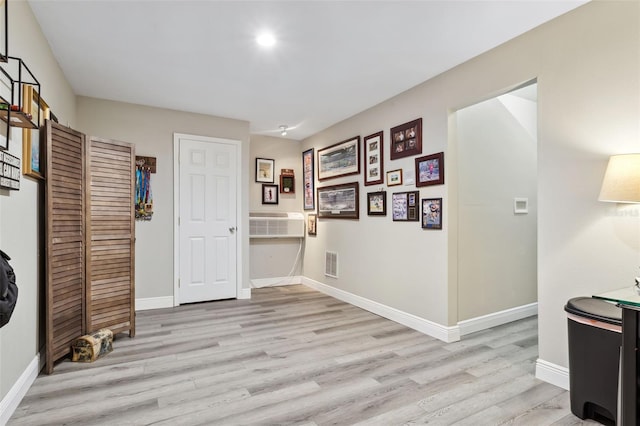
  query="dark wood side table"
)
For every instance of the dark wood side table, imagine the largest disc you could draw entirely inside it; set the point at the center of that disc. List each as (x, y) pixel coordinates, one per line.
(628, 299)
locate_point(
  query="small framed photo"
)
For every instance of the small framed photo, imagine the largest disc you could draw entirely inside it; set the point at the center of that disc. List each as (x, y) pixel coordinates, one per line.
(430, 170)
(394, 177)
(432, 213)
(373, 159)
(405, 206)
(265, 170)
(377, 203)
(312, 224)
(406, 139)
(269, 194)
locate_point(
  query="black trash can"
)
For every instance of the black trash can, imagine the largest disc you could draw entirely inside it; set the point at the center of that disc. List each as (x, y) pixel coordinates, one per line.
(595, 337)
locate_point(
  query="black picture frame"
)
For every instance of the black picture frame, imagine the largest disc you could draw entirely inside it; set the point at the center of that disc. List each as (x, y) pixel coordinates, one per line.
(432, 213)
(269, 194)
(377, 203)
(265, 170)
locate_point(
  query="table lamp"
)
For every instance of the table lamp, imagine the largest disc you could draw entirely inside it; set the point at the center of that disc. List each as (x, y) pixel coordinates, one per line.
(621, 184)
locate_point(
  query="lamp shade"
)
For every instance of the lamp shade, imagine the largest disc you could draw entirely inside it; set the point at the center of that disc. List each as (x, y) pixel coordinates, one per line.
(621, 183)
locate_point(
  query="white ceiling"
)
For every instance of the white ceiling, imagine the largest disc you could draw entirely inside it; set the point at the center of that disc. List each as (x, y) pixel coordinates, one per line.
(332, 60)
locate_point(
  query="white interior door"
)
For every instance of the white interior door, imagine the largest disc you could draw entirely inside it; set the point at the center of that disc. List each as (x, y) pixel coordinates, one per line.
(207, 220)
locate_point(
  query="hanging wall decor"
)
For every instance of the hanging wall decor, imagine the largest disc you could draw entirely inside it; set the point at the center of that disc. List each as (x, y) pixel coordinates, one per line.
(287, 181)
(9, 171)
(406, 139)
(145, 166)
(308, 180)
(31, 140)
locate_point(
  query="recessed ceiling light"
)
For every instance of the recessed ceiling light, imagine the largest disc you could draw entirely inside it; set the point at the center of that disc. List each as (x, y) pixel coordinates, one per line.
(266, 39)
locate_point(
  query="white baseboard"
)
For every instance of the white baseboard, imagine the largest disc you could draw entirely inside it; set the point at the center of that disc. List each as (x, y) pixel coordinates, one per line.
(441, 332)
(552, 373)
(270, 282)
(245, 293)
(497, 318)
(19, 389)
(154, 303)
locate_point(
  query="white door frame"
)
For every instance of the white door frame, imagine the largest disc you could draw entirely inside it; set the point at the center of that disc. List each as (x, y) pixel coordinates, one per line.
(176, 209)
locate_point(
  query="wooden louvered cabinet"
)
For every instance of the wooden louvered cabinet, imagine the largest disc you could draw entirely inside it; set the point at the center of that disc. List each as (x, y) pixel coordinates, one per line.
(90, 236)
(110, 188)
(65, 247)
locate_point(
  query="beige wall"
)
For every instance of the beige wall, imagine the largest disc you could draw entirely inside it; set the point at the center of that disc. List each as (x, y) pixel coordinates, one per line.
(287, 155)
(588, 69)
(151, 130)
(276, 258)
(19, 209)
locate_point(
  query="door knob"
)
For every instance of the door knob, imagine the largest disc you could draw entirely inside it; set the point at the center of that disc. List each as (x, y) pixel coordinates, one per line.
(232, 229)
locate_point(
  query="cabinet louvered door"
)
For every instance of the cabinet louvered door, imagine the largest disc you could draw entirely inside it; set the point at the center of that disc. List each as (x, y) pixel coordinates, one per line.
(65, 240)
(110, 189)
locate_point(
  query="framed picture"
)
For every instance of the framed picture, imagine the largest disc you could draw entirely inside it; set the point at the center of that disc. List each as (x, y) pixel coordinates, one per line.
(394, 177)
(31, 141)
(269, 194)
(373, 159)
(430, 170)
(264, 170)
(287, 181)
(377, 203)
(4, 129)
(341, 159)
(308, 180)
(406, 139)
(432, 213)
(339, 201)
(405, 206)
(312, 224)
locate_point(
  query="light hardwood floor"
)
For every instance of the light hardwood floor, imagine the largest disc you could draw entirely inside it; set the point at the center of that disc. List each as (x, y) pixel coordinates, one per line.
(291, 355)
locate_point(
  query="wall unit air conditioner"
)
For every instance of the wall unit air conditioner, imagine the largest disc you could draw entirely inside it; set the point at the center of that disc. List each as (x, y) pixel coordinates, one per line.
(276, 225)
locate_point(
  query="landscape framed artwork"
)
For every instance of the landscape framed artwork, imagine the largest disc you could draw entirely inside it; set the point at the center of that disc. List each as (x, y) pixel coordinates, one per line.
(308, 180)
(394, 177)
(406, 139)
(339, 201)
(265, 170)
(405, 206)
(432, 213)
(430, 170)
(377, 203)
(269, 194)
(341, 159)
(373, 159)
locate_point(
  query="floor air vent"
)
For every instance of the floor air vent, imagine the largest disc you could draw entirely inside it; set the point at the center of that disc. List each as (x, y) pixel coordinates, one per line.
(331, 264)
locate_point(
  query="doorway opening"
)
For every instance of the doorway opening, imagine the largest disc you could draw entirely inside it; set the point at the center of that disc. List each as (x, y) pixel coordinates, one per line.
(497, 209)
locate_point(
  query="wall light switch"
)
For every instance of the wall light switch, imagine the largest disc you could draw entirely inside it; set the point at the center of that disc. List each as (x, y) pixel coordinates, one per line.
(520, 205)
